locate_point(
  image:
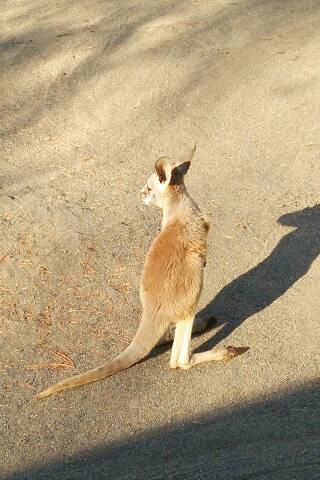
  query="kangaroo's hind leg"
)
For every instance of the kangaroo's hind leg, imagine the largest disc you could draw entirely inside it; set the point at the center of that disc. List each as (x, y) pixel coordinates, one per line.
(180, 354)
(177, 344)
(185, 349)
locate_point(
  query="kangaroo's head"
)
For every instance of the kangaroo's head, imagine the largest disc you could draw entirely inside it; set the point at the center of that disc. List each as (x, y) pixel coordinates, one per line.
(169, 173)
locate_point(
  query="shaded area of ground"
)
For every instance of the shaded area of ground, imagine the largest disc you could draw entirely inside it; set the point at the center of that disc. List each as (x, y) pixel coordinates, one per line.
(275, 438)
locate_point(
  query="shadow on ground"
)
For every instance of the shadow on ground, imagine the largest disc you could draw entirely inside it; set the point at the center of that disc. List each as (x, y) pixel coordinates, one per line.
(275, 438)
(259, 287)
(262, 285)
(46, 32)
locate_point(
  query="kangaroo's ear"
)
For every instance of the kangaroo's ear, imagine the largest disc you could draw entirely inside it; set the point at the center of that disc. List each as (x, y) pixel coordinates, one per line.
(181, 166)
(162, 169)
(183, 162)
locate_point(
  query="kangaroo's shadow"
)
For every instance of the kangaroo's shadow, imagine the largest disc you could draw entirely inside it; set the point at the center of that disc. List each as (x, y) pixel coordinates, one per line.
(259, 287)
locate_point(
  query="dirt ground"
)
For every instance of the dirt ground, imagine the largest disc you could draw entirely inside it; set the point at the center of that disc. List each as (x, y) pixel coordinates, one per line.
(92, 93)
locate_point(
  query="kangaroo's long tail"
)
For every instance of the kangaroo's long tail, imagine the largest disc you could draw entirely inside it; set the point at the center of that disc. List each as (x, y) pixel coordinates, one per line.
(145, 339)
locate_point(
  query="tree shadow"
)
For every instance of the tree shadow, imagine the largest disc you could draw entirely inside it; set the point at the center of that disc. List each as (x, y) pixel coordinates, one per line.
(116, 30)
(275, 438)
(262, 285)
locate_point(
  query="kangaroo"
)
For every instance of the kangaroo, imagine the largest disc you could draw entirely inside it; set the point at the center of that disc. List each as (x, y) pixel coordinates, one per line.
(172, 279)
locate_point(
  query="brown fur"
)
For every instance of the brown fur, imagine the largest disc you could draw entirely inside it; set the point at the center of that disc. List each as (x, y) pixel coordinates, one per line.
(172, 278)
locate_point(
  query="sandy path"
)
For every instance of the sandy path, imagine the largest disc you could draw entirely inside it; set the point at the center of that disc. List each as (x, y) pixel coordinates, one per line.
(91, 94)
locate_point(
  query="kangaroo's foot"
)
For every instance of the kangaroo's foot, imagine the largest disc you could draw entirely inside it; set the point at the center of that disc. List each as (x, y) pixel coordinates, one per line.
(222, 355)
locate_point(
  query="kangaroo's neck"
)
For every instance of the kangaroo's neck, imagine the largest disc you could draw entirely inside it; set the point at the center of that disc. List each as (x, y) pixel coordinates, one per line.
(175, 199)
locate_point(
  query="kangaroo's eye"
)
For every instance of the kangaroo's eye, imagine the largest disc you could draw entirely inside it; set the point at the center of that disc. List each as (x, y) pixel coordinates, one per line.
(148, 188)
